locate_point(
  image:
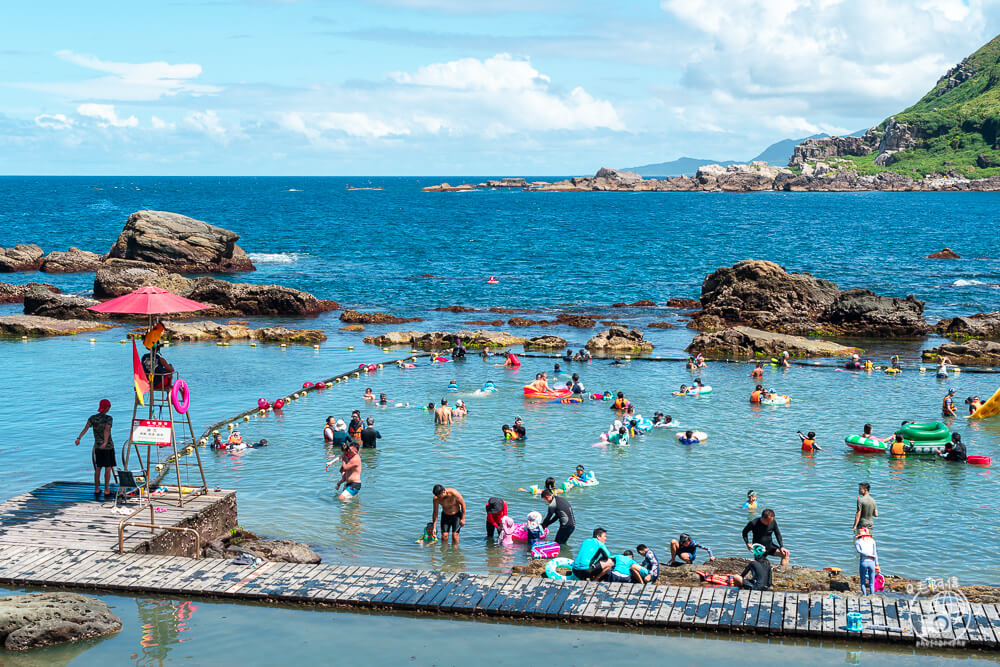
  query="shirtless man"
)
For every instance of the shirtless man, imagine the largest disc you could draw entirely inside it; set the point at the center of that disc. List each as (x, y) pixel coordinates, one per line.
(443, 414)
(452, 506)
(350, 472)
(540, 384)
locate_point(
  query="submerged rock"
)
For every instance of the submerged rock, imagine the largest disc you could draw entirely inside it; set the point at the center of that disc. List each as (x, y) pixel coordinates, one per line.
(972, 352)
(747, 343)
(73, 260)
(660, 325)
(286, 335)
(22, 257)
(619, 339)
(43, 619)
(357, 328)
(946, 253)
(357, 317)
(179, 243)
(35, 326)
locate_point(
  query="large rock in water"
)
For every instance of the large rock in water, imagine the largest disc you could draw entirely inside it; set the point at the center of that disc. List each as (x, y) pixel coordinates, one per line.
(439, 340)
(545, 343)
(357, 317)
(619, 339)
(967, 353)
(22, 257)
(243, 541)
(762, 295)
(117, 277)
(42, 619)
(40, 301)
(179, 243)
(980, 325)
(34, 326)
(15, 293)
(747, 343)
(73, 260)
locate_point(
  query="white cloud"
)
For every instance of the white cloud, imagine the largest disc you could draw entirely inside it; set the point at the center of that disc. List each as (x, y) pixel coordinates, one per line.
(127, 81)
(54, 121)
(160, 124)
(317, 125)
(106, 115)
(797, 126)
(209, 123)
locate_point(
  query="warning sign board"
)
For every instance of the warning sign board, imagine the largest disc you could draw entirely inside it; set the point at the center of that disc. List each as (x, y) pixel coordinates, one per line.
(155, 432)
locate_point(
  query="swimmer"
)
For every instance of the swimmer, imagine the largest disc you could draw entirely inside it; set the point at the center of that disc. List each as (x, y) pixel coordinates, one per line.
(809, 442)
(452, 386)
(894, 362)
(948, 405)
(488, 386)
(548, 485)
(428, 536)
(556, 370)
(784, 359)
(757, 394)
(617, 362)
(369, 395)
(662, 420)
(485, 353)
(688, 438)
(540, 384)
(758, 372)
(217, 441)
(854, 364)
(898, 449)
(460, 410)
(331, 422)
(942, 371)
(620, 403)
(577, 386)
(508, 432)
(974, 403)
(350, 473)
(581, 475)
(512, 361)
(235, 439)
(683, 389)
(430, 407)
(751, 503)
(383, 399)
(519, 428)
(866, 432)
(691, 365)
(568, 356)
(699, 361)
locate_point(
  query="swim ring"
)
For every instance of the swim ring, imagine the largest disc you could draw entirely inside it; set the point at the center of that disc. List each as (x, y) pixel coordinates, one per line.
(569, 399)
(531, 392)
(694, 391)
(600, 397)
(553, 566)
(700, 435)
(892, 371)
(180, 396)
(576, 481)
(777, 400)
(545, 550)
(977, 460)
(644, 425)
(520, 533)
(866, 445)
(926, 432)
(441, 360)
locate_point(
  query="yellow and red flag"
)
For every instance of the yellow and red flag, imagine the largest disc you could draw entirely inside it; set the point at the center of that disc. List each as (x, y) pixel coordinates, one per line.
(139, 375)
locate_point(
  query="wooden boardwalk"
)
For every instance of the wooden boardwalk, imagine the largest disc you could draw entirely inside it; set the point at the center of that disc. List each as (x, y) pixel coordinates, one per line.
(66, 515)
(722, 609)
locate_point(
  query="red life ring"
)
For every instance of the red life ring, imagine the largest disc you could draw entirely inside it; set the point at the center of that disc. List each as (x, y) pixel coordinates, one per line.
(180, 405)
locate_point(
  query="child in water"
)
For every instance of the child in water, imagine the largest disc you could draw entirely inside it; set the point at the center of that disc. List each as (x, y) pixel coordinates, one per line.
(581, 475)
(548, 485)
(452, 386)
(809, 442)
(369, 395)
(688, 438)
(751, 504)
(383, 399)
(758, 372)
(426, 537)
(489, 386)
(508, 432)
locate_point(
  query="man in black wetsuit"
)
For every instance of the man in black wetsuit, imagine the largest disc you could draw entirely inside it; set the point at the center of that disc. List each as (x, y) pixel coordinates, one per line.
(954, 450)
(559, 510)
(756, 575)
(369, 435)
(767, 534)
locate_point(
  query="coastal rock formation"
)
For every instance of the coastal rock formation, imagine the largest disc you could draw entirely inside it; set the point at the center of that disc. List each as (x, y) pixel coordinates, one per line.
(946, 253)
(117, 277)
(980, 325)
(22, 257)
(208, 330)
(45, 303)
(748, 343)
(660, 325)
(545, 343)
(439, 340)
(485, 323)
(356, 317)
(73, 260)
(286, 335)
(179, 243)
(578, 321)
(34, 326)
(15, 293)
(972, 352)
(457, 309)
(675, 302)
(33, 620)
(762, 295)
(642, 303)
(243, 541)
(619, 339)
(357, 328)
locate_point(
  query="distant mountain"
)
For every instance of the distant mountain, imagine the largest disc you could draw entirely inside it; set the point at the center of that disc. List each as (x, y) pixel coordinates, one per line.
(777, 154)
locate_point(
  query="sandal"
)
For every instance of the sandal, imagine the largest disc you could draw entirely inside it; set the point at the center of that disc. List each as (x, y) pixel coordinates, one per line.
(108, 494)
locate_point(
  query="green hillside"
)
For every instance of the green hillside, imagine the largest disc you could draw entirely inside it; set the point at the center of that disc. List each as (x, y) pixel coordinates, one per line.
(955, 126)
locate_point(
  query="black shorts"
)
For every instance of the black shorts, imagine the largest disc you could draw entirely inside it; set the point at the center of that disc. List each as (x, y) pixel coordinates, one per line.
(590, 573)
(104, 458)
(451, 523)
(562, 535)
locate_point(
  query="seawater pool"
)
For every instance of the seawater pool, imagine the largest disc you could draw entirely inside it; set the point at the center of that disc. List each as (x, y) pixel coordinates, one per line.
(157, 630)
(935, 519)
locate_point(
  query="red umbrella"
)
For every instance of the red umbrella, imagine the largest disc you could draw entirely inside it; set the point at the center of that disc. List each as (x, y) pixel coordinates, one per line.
(149, 301)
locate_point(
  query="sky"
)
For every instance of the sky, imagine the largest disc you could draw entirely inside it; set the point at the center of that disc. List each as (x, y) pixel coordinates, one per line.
(454, 87)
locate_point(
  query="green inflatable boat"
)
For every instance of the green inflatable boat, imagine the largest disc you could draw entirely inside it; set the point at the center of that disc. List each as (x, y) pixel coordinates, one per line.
(927, 437)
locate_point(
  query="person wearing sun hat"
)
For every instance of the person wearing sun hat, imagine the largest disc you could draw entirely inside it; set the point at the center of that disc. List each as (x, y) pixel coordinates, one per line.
(103, 454)
(864, 544)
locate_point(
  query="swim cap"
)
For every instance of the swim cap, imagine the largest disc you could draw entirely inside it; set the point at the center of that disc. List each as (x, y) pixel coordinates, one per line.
(104, 405)
(759, 551)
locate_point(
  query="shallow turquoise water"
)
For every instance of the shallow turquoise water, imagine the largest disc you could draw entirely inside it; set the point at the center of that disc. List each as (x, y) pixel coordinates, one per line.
(167, 631)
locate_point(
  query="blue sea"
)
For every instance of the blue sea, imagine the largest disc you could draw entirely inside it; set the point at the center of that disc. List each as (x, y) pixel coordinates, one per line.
(403, 251)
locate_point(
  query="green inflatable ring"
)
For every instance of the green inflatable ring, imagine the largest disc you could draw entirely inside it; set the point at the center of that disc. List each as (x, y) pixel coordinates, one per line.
(551, 571)
(936, 432)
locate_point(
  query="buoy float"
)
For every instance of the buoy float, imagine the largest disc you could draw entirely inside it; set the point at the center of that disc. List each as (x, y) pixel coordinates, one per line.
(492, 281)
(284, 345)
(123, 342)
(306, 385)
(159, 466)
(337, 380)
(230, 426)
(246, 418)
(315, 347)
(385, 349)
(219, 344)
(203, 442)
(329, 384)
(923, 370)
(262, 403)
(253, 344)
(262, 413)
(956, 371)
(225, 344)
(351, 348)
(278, 404)
(380, 366)
(93, 340)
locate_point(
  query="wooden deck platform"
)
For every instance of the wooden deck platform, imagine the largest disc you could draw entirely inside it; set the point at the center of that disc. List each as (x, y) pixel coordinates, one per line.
(66, 515)
(721, 609)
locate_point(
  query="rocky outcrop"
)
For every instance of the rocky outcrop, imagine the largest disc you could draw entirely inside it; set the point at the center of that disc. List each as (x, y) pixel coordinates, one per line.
(439, 340)
(814, 150)
(22, 257)
(117, 277)
(179, 243)
(243, 541)
(972, 352)
(747, 343)
(660, 325)
(34, 620)
(642, 303)
(356, 317)
(619, 339)
(34, 326)
(286, 335)
(73, 260)
(946, 253)
(356, 328)
(980, 325)
(545, 343)
(15, 293)
(751, 177)
(675, 302)
(484, 323)
(40, 301)
(457, 309)
(578, 321)
(762, 295)
(208, 330)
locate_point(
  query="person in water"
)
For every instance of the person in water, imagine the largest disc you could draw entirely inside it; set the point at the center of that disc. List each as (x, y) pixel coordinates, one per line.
(559, 510)
(765, 532)
(974, 403)
(577, 386)
(556, 370)
(691, 365)
(458, 352)
(894, 362)
(617, 362)
(954, 450)
(369, 436)
(485, 353)
(452, 507)
(369, 395)
(650, 562)
(508, 432)
(568, 355)
(355, 427)
(217, 441)
(452, 386)
(540, 384)
(688, 438)
(620, 403)
(512, 361)
(898, 448)
(809, 442)
(864, 518)
(684, 549)
(942, 370)
(496, 510)
(758, 372)
(948, 405)
(783, 362)
(548, 485)
(757, 394)
(383, 399)
(581, 475)
(489, 386)
(460, 410)
(751, 503)
(328, 429)
(593, 560)
(519, 428)
(442, 416)
(350, 473)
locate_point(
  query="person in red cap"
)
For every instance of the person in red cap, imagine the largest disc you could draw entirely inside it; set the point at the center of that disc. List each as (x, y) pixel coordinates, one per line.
(103, 454)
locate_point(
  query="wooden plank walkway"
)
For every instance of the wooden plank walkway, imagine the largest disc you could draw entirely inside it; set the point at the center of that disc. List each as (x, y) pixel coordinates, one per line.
(722, 609)
(66, 515)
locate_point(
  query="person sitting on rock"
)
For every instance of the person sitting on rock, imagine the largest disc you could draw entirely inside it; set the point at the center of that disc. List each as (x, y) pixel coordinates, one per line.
(684, 550)
(756, 576)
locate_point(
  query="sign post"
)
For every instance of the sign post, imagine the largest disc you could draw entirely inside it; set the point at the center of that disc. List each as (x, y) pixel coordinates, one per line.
(152, 432)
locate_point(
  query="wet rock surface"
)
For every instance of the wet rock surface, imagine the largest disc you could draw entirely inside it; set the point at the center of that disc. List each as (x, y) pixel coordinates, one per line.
(209, 330)
(748, 343)
(73, 260)
(441, 340)
(619, 339)
(34, 620)
(15, 293)
(946, 253)
(545, 343)
(357, 317)
(677, 302)
(243, 541)
(973, 352)
(22, 257)
(42, 302)
(980, 325)
(35, 326)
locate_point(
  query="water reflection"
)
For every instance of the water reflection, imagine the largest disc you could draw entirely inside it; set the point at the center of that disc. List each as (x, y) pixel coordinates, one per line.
(163, 623)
